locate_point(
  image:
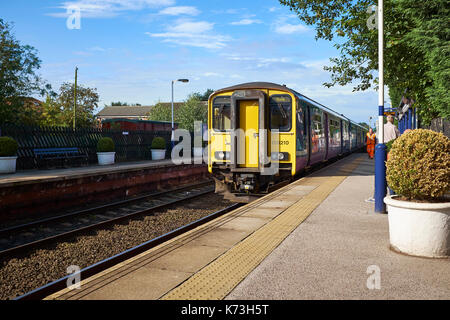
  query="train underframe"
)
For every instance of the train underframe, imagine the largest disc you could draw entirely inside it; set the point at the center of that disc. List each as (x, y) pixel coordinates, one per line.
(246, 186)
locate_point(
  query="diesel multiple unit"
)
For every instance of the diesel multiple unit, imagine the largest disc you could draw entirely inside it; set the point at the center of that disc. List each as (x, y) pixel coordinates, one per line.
(254, 127)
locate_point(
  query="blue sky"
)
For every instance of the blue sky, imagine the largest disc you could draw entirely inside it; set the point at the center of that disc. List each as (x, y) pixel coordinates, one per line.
(130, 50)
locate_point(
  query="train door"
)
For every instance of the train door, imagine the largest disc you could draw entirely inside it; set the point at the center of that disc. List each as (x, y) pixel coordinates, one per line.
(302, 144)
(248, 122)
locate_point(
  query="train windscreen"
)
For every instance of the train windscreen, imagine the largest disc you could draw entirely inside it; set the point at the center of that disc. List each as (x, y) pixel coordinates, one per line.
(222, 114)
(280, 113)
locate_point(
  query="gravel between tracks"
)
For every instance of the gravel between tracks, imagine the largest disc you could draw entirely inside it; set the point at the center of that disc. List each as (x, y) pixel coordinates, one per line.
(22, 274)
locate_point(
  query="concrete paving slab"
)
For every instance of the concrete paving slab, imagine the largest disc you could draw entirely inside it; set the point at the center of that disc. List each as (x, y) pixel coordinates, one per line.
(277, 204)
(188, 258)
(220, 237)
(143, 284)
(248, 224)
(339, 250)
(263, 213)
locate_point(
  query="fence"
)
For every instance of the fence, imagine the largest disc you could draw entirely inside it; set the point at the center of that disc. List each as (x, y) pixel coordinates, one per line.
(440, 125)
(130, 146)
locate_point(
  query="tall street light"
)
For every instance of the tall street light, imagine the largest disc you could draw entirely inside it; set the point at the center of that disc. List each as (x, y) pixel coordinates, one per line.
(75, 99)
(173, 133)
(380, 149)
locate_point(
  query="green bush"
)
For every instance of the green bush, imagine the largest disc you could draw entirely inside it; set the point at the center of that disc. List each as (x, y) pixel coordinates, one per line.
(8, 147)
(419, 165)
(158, 143)
(389, 145)
(105, 145)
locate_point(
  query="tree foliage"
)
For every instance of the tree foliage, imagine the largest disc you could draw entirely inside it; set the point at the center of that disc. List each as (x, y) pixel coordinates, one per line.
(87, 101)
(203, 96)
(161, 112)
(18, 77)
(192, 110)
(416, 47)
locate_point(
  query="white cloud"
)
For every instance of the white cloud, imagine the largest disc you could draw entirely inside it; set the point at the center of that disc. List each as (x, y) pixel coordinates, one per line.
(194, 34)
(288, 28)
(192, 27)
(176, 11)
(108, 8)
(282, 26)
(245, 22)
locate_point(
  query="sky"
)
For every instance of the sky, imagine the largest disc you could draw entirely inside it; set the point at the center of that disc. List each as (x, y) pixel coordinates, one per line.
(131, 50)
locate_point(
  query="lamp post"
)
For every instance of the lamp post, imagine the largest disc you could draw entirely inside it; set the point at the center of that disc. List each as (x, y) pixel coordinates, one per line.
(173, 133)
(380, 149)
(75, 99)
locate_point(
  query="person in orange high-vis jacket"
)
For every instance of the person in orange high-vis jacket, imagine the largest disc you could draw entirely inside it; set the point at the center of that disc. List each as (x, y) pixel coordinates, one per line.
(371, 140)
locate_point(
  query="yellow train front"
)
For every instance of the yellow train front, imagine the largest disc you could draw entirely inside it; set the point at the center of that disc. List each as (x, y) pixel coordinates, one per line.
(261, 134)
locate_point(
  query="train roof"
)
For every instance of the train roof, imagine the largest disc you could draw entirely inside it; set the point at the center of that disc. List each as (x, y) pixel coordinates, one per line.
(256, 85)
(274, 86)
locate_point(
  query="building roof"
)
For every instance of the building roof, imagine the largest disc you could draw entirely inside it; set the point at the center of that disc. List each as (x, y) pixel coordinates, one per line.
(137, 121)
(130, 111)
(135, 111)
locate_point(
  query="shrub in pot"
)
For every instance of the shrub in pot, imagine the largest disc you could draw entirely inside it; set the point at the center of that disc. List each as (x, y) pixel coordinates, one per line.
(418, 170)
(105, 151)
(8, 158)
(158, 148)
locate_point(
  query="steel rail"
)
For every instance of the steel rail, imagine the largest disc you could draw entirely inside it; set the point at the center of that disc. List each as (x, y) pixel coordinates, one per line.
(30, 245)
(105, 207)
(60, 284)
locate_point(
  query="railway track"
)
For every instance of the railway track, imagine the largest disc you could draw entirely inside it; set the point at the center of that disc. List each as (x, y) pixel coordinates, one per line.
(96, 268)
(21, 238)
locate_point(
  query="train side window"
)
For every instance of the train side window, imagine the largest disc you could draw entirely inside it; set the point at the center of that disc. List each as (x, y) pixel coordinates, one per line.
(222, 114)
(280, 113)
(301, 127)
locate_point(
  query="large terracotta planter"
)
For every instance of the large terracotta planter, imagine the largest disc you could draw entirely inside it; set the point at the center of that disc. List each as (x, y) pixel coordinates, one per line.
(419, 229)
(105, 158)
(8, 164)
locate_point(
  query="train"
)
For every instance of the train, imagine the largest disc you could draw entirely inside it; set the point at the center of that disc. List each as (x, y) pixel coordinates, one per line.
(256, 126)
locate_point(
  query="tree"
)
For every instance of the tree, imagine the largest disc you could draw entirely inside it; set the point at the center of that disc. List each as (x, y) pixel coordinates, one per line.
(51, 113)
(161, 112)
(192, 110)
(119, 104)
(18, 77)
(87, 101)
(409, 64)
(205, 95)
(125, 104)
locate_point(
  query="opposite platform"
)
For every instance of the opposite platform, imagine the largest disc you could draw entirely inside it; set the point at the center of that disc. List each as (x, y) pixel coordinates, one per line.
(41, 192)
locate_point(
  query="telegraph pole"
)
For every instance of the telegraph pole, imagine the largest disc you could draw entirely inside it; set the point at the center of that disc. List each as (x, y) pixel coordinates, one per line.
(75, 98)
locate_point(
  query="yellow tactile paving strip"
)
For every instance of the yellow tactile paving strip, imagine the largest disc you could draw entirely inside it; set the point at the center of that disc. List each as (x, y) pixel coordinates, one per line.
(220, 277)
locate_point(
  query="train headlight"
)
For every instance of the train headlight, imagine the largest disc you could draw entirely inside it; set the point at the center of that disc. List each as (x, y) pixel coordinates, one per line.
(222, 155)
(280, 156)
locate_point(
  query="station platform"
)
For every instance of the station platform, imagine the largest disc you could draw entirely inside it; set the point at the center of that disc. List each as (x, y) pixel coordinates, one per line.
(36, 191)
(316, 238)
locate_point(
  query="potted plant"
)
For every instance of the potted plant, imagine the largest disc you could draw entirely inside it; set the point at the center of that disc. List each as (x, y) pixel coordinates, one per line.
(105, 151)
(158, 148)
(198, 146)
(418, 170)
(8, 158)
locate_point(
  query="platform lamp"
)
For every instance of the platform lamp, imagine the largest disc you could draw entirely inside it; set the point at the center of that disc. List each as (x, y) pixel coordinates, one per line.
(173, 133)
(380, 149)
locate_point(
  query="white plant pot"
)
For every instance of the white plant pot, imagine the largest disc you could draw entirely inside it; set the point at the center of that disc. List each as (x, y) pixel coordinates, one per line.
(158, 154)
(198, 152)
(419, 229)
(8, 164)
(105, 158)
